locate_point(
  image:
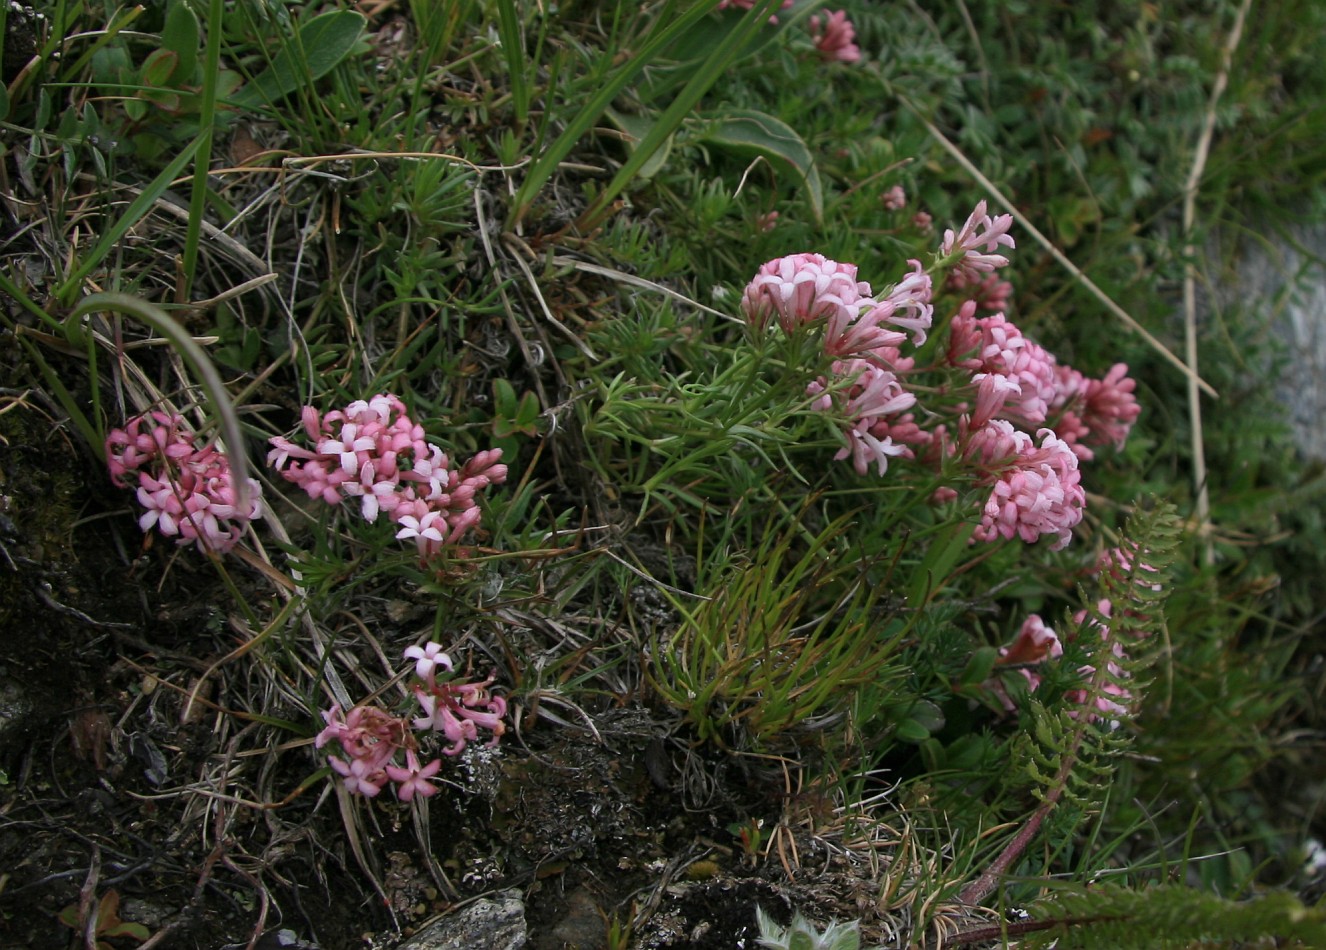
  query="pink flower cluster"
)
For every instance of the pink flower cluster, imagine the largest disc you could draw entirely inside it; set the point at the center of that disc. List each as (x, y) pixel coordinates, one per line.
(835, 37)
(863, 332)
(1012, 386)
(1034, 644)
(372, 451)
(972, 250)
(1035, 490)
(371, 738)
(187, 492)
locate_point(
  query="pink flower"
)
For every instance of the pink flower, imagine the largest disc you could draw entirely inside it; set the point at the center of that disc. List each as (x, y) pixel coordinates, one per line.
(1111, 408)
(1038, 493)
(414, 780)
(747, 5)
(801, 288)
(835, 38)
(994, 345)
(923, 222)
(992, 391)
(895, 199)
(867, 449)
(373, 451)
(874, 397)
(1035, 643)
(907, 305)
(974, 246)
(991, 294)
(427, 660)
(459, 710)
(187, 493)
(359, 776)
(366, 733)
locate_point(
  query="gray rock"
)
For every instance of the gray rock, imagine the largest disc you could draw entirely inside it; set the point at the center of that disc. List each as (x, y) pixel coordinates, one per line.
(15, 708)
(496, 923)
(1284, 276)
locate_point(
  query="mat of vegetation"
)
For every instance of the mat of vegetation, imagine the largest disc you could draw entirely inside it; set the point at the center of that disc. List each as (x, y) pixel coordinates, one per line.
(679, 474)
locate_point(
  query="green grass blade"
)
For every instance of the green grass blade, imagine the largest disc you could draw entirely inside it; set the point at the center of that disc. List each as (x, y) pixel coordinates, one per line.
(660, 38)
(705, 76)
(207, 123)
(513, 48)
(194, 357)
(136, 211)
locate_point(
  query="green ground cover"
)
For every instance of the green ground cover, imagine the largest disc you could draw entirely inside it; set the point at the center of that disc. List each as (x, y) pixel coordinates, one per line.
(484, 298)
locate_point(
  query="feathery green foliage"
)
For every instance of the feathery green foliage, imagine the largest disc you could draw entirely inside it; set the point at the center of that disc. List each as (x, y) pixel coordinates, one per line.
(1110, 917)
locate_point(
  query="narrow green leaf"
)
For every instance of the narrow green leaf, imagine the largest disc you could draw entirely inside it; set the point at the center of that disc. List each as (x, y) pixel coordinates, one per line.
(667, 30)
(513, 47)
(700, 82)
(137, 209)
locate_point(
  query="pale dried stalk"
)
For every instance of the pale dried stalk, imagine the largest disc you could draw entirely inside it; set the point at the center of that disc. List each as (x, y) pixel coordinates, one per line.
(1200, 155)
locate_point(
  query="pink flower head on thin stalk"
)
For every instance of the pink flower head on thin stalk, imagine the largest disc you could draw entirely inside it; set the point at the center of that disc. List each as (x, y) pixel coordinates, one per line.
(895, 199)
(748, 5)
(974, 246)
(371, 738)
(907, 305)
(1035, 644)
(372, 451)
(801, 288)
(1037, 491)
(188, 493)
(835, 38)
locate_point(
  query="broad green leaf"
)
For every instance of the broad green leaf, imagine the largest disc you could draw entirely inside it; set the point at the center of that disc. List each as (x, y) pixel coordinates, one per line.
(318, 48)
(158, 67)
(180, 36)
(636, 127)
(979, 667)
(747, 131)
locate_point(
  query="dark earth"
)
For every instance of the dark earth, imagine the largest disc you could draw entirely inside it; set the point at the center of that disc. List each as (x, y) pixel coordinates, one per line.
(599, 833)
